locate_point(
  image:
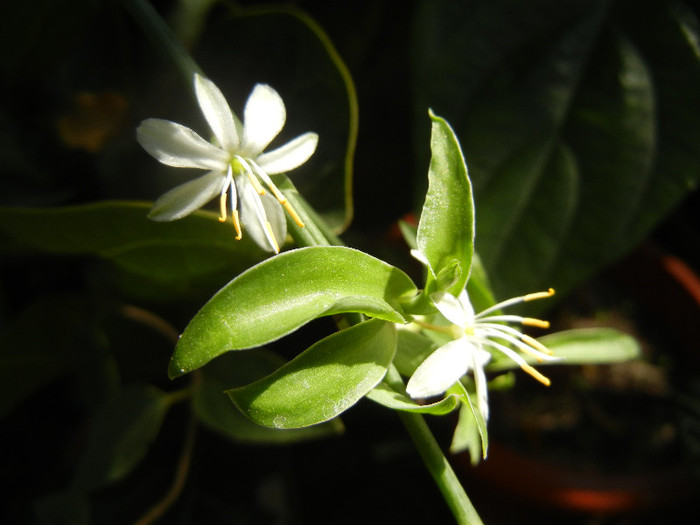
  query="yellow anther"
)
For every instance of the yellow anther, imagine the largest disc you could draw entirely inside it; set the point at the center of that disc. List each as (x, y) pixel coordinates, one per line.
(271, 236)
(534, 373)
(531, 321)
(535, 344)
(222, 206)
(237, 225)
(538, 295)
(293, 213)
(255, 182)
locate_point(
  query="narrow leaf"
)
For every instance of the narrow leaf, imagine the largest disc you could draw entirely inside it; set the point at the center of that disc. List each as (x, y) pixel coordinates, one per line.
(322, 382)
(581, 346)
(446, 227)
(391, 398)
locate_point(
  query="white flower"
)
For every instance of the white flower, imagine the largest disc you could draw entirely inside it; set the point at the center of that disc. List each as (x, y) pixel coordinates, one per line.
(237, 168)
(474, 337)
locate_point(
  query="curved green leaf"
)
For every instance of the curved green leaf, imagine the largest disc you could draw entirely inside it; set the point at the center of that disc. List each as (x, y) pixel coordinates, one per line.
(391, 398)
(323, 381)
(214, 408)
(446, 227)
(285, 292)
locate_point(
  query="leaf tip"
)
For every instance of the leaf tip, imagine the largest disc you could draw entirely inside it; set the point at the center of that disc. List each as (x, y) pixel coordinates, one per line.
(175, 369)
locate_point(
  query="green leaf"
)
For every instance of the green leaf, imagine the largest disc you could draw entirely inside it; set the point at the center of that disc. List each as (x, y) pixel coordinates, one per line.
(121, 434)
(471, 431)
(323, 381)
(182, 257)
(394, 399)
(581, 346)
(446, 227)
(215, 409)
(579, 132)
(412, 349)
(285, 292)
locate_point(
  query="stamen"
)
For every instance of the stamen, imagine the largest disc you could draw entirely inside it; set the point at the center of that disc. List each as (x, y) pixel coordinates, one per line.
(278, 194)
(222, 205)
(536, 344)
(255, 182)
(293, 213)
(237, 225)
(538, 323)
(251, 176)
(449, 330)
(271, 237)
(534, 373)
(538, 295)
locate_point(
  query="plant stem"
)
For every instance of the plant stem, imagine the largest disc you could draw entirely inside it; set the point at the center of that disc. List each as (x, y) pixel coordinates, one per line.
(158, 31)
(438, 466)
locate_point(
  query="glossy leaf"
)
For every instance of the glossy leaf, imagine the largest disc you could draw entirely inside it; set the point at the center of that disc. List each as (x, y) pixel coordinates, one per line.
(581, 346)
(412, 349)
(323, 381)
(446, 227)
(120, 436)
(215, 409)
(577, 128)
(182, 257)
(285, 292)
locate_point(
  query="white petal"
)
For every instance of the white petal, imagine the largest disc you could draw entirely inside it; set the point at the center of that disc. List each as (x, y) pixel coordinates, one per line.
(263, 118)
(450, 307)
(217, 112)
(186, 198)
(292, 155)
(441, 369)
(467, 307)
(256, 210)
(479, 359)
(178, 146)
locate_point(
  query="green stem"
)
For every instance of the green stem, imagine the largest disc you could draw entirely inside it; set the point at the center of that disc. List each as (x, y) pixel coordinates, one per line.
(438, 466)
(431, 453)
(163, 37)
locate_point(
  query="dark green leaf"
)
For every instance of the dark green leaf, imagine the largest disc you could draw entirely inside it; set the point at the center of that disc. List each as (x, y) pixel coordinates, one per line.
(181, 256)
(578, 130)
(121, 434)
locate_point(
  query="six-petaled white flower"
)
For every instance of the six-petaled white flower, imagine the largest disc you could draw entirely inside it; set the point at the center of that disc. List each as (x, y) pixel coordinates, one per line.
(475, 336)
(237, 168)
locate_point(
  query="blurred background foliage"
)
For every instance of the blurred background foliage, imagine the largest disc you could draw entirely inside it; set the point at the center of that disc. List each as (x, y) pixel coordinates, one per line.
(579, 123)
